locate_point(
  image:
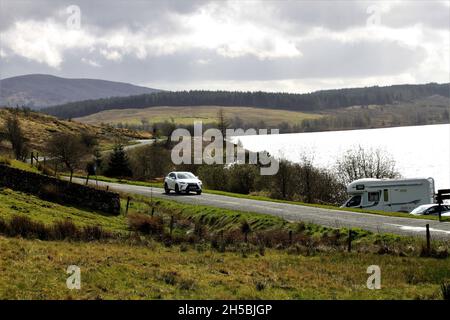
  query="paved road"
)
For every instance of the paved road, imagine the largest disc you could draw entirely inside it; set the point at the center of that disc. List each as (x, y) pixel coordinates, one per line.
(292, 212)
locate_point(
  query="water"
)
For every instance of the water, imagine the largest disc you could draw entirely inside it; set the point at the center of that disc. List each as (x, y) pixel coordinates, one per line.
(419, 151)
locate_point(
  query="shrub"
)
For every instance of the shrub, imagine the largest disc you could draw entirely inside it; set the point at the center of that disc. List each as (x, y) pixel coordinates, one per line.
(169, 277)
(445, 290)
(91, 233)
(26, 228)
(6, 161)
(187, 284)
(146, 224)
(65, 230)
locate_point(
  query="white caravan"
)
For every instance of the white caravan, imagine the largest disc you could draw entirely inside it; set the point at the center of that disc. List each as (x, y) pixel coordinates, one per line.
(401, 195)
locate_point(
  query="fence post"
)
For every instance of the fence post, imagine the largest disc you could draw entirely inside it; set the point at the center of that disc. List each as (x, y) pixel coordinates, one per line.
(428, 240)
(349, 244)
(128, 205)
(290, 237)
(171, 224)
(31, 158)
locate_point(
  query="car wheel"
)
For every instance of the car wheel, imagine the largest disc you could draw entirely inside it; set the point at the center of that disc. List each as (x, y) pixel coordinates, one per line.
(177, 189)
(166, 188)
(199, 192)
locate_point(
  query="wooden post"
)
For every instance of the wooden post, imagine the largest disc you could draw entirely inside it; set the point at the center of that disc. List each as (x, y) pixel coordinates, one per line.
(349, 245)
(171, 224)
(428, 240)
(153, 211)
(128, 205)
(31, 158)
(290, 237)
(107, 188)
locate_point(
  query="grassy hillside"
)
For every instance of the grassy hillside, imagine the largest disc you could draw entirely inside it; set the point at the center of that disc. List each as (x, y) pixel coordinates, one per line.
(147, 266)
(38, 128)
(153, 271)
(187, 115)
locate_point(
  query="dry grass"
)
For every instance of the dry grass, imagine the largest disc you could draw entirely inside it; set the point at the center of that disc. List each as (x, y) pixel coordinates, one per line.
(37, 270)
(38, 128)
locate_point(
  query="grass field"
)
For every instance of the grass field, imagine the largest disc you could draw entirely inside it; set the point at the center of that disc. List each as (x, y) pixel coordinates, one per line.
(118, 269)
(187, 115)
(37, 270)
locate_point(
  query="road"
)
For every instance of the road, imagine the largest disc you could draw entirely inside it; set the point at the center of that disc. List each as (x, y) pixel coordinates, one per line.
(293, 212)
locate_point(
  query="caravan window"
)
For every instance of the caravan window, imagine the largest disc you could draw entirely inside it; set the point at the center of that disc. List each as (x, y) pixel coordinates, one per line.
(374, 196)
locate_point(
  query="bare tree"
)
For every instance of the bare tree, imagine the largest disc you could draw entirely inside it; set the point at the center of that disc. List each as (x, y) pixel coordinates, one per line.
(14, 134)
(359, 164)
(222, 122)
(67, 149)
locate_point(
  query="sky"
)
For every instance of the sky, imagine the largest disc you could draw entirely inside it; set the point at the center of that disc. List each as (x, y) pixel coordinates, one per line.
(287, 46)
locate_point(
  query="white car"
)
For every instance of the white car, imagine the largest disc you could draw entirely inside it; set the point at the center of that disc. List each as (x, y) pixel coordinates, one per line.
(182, 182)
(432, 210)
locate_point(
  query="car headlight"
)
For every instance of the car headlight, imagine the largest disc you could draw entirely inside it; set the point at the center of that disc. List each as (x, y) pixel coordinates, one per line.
(183, 183)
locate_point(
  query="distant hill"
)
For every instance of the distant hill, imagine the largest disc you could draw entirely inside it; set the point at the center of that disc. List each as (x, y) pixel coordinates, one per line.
(41, 90)
(309, 102)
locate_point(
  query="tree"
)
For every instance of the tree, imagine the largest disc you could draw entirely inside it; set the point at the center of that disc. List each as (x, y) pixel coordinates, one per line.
(245, 229)
(149, 162)
(222, 122)
(90, 170)
(68, 149)
(359, 164)
(14, 134)
(118, 165)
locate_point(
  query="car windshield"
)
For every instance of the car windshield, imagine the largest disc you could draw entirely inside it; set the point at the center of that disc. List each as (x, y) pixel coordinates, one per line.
(354, 201)
(420, 209)
(185, 175)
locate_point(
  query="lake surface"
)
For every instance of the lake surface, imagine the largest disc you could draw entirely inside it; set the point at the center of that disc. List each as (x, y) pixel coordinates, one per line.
(419, 151)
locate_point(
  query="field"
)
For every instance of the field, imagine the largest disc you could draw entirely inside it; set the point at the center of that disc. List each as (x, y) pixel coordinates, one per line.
(187, 115)
(37, 270)
(144, 268)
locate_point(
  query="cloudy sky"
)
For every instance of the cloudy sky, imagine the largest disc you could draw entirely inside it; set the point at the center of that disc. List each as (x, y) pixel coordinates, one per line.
(292, 46)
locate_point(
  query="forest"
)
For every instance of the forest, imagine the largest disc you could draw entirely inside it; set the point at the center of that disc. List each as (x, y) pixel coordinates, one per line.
(308, 102)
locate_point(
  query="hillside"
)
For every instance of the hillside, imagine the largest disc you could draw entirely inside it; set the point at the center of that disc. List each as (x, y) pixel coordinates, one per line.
(42, 90)
(187, 115)
(38, 128)
(310, 102)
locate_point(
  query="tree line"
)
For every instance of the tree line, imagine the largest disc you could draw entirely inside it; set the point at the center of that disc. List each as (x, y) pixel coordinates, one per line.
(316, 101)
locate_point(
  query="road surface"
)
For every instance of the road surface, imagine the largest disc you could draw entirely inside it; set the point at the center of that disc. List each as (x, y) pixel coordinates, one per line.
(293, 212)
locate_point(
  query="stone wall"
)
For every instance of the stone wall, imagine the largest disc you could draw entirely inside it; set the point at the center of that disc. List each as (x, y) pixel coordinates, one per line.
(56, 190)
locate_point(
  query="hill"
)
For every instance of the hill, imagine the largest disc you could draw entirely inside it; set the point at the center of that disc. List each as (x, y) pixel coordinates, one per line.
(42, 90)
(38, 128)
(187, 115)
(309, 102)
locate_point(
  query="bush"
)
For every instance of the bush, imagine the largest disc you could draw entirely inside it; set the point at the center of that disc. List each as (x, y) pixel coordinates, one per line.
(91, 233)
(29, 229)
(445, 290)
(6, 161)
(146, 224)
(65, 230)
(26, 228)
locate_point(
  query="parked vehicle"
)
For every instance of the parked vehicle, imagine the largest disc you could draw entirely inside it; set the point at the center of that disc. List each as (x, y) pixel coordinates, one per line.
(431, 210)
(182, 182)
(401, 195)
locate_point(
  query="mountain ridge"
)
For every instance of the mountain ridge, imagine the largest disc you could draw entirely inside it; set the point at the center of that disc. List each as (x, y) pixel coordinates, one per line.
(44, 90)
